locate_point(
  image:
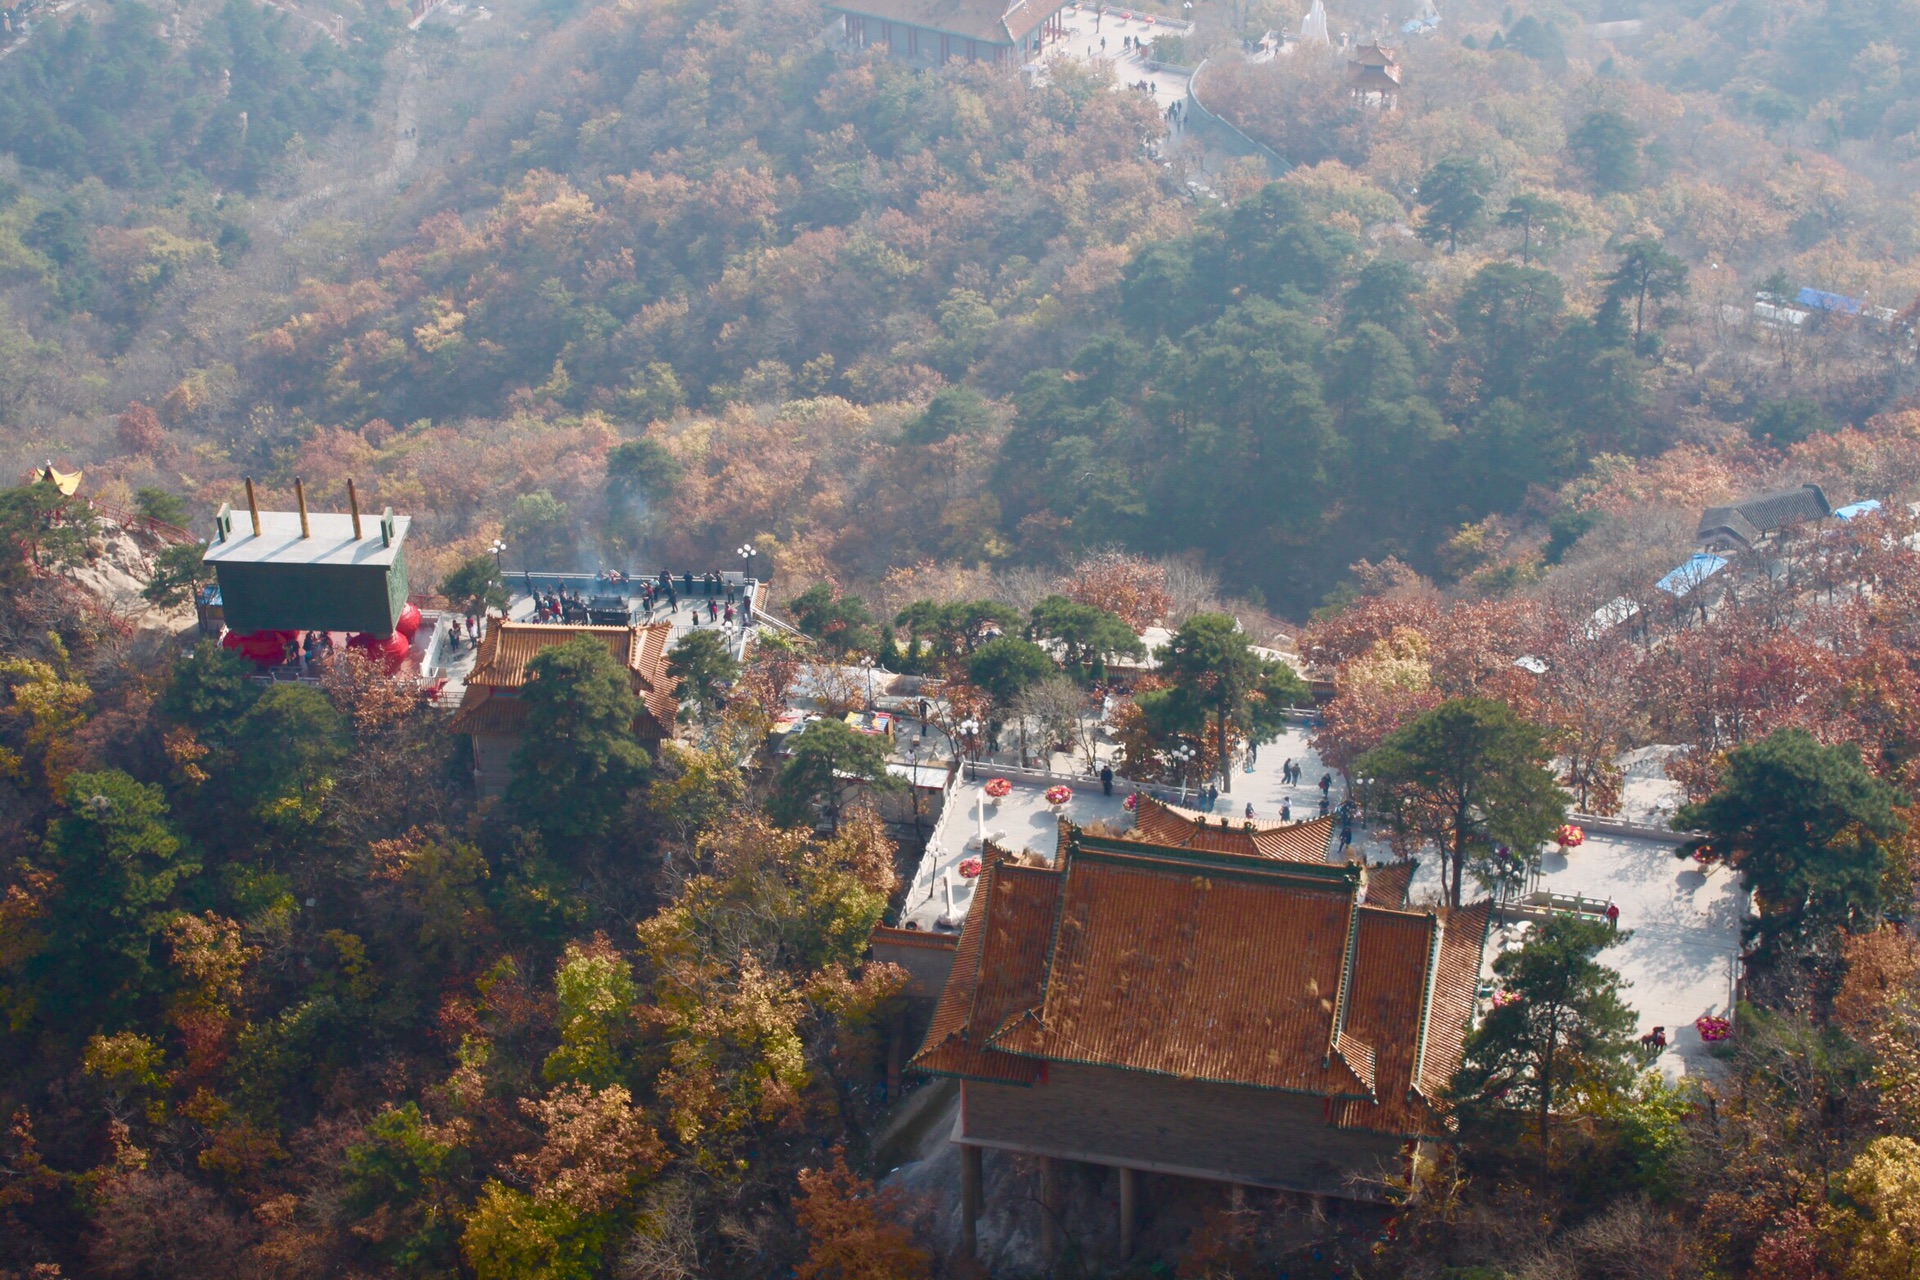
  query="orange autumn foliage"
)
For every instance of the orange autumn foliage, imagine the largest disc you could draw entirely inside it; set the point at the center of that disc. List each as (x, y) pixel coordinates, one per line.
(851, 1234)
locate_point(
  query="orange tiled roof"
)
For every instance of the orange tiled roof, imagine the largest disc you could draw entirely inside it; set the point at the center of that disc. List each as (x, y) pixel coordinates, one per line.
(1389, 884)
(997, 973)
(508, 647)
(1456, 981)
(1164, 824)
(1204, 965)
(482, 710)
(1392, 957)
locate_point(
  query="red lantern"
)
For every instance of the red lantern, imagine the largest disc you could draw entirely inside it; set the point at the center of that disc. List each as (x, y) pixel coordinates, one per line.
(262, 648)
(390, 651)
(409, 620)
(1572, 837)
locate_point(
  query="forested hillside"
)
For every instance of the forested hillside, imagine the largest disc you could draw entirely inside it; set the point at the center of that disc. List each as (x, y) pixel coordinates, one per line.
(990, 373)
(672, 223)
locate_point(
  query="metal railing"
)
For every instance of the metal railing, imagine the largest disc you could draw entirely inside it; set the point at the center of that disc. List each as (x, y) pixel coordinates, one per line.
(134, 520)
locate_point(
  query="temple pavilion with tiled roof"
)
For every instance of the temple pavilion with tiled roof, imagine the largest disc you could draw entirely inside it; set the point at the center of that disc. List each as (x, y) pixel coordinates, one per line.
(493, 715)
(933, 32)
(1373, 75)
(1234, 1016)
(1743, 525)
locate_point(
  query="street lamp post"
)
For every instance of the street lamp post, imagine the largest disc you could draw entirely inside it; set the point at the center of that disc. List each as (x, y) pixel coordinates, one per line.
(499, 571)
(1184, 754)
(913, 784)
(968, 728)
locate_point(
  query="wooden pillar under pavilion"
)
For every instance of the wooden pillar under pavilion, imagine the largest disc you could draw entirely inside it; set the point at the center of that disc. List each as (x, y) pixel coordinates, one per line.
(970, 1201)
(1049, 1209)
(1129, 1209)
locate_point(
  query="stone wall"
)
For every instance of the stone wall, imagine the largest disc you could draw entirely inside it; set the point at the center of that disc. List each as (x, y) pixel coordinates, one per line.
(493, 761)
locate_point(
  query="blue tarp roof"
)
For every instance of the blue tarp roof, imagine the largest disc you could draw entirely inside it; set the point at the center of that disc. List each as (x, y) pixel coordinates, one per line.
(1829, 301)
(1698, 568)
(1855, 509)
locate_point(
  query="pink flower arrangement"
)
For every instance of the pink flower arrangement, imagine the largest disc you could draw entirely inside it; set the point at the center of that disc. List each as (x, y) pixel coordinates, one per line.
(1712, 1027)
(1572, 837)
(1059, 793)
(998, 788)
(970, 868)
(1501, 999)
(1132, 802)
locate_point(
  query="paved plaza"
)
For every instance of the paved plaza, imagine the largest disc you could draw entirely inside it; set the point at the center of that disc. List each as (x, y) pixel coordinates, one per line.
(1020, 821)
(1682, 923)
(1087, 25)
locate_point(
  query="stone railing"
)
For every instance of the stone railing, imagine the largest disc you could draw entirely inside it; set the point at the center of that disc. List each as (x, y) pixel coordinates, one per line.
(1632, 830)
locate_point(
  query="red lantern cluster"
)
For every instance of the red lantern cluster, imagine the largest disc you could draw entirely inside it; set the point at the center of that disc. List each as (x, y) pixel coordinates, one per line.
(391, 650)
(262, 648)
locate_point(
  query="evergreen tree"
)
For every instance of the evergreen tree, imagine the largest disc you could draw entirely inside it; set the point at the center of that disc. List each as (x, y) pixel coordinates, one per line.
(1538, 218)
(1559, 1026)
(1607, 145)
(828, 762)
(118, 869)
(1217, 676)
(1008, 666)
(952, 411)
(1085, 633)
(1646, 273)
(703, 666)
(178, 571)
(44, 530)
(840, 623)
(211, 688)
(1809, 827)
(1509, 316)
(579, 760)
(1466, 776)
(1454, 192)
(475, 587)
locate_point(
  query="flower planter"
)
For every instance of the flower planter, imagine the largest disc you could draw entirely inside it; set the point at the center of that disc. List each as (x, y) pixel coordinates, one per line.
(1713, 1028)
